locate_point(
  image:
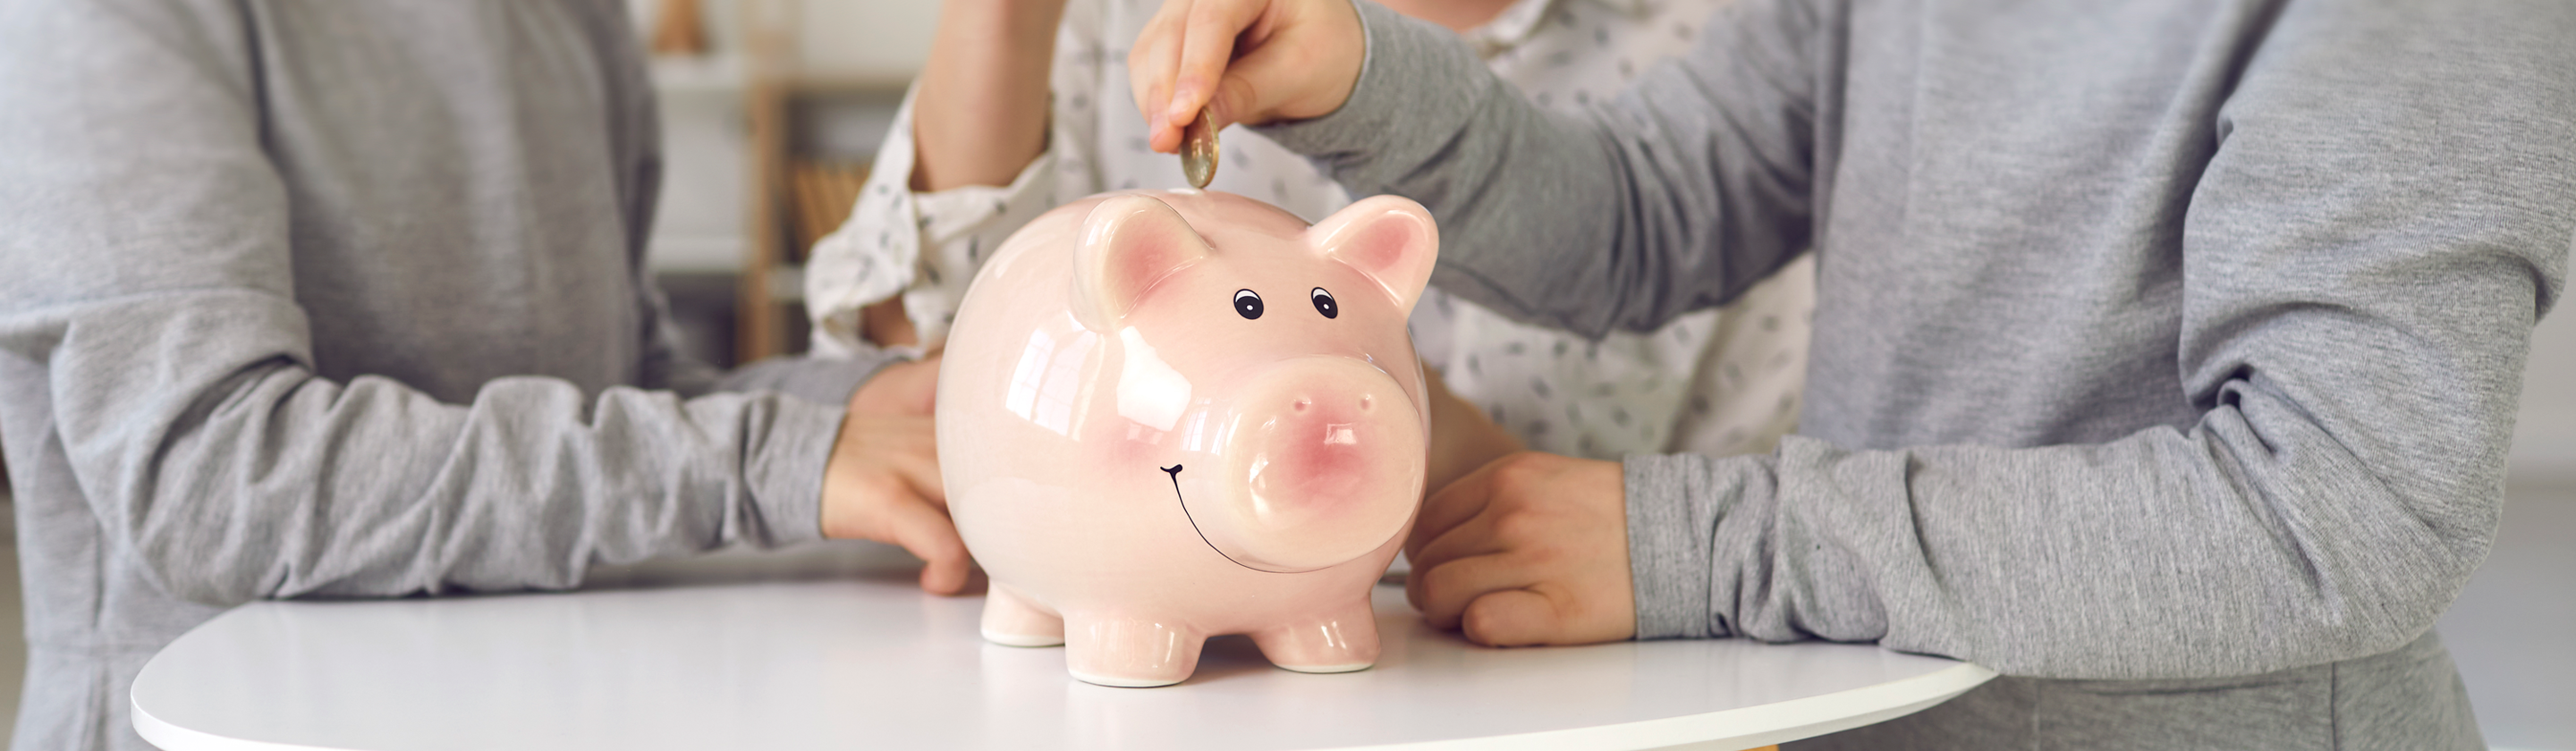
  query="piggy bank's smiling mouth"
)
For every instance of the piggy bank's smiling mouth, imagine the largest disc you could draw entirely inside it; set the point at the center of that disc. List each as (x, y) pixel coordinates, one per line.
(1175, 472)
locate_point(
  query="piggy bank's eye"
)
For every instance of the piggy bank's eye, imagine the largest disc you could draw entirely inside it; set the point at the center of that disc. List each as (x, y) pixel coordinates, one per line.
(1247, 303)
(1324, 304)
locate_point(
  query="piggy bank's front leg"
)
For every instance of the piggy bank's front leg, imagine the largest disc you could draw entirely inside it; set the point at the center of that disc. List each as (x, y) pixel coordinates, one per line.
(1011, 620)
(1339, 640)
(1129, 652)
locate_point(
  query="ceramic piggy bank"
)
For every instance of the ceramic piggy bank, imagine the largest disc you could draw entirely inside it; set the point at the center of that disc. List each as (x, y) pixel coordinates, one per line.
(1170, 415)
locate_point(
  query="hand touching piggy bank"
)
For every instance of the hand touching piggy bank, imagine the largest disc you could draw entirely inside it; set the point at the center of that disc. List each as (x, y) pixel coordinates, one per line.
(1170, 415)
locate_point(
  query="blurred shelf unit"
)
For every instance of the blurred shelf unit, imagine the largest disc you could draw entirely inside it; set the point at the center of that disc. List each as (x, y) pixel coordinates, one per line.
(726, 74)
(702, 75)
(694, 253)
(821, 192)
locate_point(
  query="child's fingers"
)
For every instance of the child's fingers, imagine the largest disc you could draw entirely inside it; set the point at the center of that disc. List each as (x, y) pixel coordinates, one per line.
(920, 470)
(932, 537)
(1513, 618)
(1150, 66)
(1450, 507)
(1471, 539)
(1298, 59)
(1444, 593)
(1207, 48)
(1263, 70)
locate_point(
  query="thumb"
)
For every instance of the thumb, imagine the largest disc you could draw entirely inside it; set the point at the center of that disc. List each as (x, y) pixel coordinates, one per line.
(1257, 85)
(1237, 100)
(932, 537)
(1303, 67)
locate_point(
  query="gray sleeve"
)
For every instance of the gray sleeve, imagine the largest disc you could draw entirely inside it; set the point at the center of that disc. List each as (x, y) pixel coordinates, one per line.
(827, 381)
(1694, 182)
(2389, 210)
(2363, 259)
(822, 380)
(663, 363)
(150, 277)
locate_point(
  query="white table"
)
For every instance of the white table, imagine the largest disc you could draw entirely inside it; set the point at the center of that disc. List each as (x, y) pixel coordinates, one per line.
(792, 653)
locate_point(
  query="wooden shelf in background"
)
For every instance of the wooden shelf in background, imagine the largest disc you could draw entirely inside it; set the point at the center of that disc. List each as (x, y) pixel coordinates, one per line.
(791, 202)
(768, 50)
(823, 192)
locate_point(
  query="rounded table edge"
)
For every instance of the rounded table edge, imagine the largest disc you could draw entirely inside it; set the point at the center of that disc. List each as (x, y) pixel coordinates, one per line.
(170, 737)
(1804, 717)
(1745, 727)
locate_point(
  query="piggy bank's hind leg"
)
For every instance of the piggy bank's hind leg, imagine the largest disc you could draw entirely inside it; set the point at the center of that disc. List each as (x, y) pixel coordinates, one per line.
(1338, 640)
(1129, 652)
(1012, 620)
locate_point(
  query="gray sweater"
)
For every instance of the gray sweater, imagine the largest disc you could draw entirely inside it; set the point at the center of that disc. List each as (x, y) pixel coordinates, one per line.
(2166, 351)
(344, 299)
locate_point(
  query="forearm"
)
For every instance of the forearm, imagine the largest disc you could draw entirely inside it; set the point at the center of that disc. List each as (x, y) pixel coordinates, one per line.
(232, 472)
(149, 292)
(981, 112)
(1693, 185)
(2167, 554)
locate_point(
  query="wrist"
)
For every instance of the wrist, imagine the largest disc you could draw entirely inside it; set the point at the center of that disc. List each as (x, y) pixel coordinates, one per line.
(786, 473)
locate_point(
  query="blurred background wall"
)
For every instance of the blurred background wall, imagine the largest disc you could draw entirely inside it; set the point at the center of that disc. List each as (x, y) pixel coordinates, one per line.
(783, 102)
(2544, 439)
(768, 124)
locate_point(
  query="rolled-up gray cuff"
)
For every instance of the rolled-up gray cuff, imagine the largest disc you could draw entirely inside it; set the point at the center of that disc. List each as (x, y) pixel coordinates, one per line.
(1671, 524)
(827, 381)
(785, 471)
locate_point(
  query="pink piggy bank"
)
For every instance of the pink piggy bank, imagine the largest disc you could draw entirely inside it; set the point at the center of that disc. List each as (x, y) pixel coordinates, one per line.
(1171, 415)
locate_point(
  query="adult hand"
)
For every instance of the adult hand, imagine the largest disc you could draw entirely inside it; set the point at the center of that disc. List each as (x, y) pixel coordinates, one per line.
(883, 485)
(906, 389)
(1247, 61)
(1531, 549)
(883, 480)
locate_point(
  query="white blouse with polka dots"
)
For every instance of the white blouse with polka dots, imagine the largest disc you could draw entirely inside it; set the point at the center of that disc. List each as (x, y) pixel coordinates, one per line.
(1717, 381)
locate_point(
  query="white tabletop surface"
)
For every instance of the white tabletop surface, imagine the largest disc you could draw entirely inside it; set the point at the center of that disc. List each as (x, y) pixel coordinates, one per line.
(837, 649)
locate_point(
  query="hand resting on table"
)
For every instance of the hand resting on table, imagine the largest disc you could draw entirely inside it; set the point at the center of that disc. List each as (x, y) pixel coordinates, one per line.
(883, 480)
(1530, 550)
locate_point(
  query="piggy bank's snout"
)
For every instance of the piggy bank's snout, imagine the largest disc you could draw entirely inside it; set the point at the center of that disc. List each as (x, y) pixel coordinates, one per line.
(1325, 464)
(1319, 451)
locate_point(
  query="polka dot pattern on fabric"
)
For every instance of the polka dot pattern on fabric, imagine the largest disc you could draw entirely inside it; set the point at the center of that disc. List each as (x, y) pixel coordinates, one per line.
(1710, 381)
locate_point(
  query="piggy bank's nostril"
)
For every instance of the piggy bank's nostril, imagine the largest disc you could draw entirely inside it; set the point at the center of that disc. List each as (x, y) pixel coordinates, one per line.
(1301, 404)
(1367, 402)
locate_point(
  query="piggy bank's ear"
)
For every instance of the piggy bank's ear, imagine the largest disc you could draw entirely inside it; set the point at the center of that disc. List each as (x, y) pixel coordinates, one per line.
(1128, 243)
(1389, 238)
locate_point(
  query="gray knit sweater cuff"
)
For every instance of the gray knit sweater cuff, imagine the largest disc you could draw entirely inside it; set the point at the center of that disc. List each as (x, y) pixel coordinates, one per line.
(822, 380)
(784, 470)
(1672, 522)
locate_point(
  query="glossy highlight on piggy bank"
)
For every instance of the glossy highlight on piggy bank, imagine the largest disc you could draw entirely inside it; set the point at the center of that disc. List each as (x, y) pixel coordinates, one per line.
(1168, 415)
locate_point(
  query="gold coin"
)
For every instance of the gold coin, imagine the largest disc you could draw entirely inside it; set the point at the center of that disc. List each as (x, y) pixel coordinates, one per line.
(1198, 151)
